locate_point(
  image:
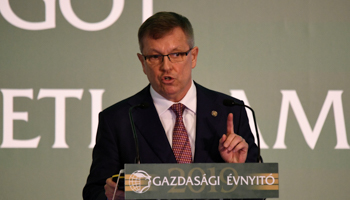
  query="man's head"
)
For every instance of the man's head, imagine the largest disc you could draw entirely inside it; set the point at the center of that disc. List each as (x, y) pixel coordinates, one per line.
(162, 23)
(168, 55)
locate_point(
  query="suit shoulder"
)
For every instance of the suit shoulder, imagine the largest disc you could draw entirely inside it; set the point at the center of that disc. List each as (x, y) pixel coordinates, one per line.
(215, 94)
(124, 105)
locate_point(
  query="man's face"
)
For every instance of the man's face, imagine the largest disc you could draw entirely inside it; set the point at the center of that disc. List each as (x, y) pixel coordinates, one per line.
(171, 80)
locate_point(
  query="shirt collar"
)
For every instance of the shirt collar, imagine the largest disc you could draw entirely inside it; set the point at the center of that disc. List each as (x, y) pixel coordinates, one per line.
(162, 104)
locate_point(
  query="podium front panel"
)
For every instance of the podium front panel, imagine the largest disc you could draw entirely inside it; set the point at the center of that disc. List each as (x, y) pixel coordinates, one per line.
(201, 181)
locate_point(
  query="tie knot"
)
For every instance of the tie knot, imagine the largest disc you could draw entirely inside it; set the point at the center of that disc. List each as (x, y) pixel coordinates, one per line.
(178, 109)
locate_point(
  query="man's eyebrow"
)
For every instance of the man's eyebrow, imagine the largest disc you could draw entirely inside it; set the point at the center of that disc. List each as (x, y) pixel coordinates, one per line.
(178, 49)
(153, 51)
(156, 52)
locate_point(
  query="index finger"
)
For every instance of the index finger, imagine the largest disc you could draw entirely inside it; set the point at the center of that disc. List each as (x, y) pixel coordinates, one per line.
(230, 125)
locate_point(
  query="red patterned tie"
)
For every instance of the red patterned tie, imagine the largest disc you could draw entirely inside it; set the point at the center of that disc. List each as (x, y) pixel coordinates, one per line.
(181, 143)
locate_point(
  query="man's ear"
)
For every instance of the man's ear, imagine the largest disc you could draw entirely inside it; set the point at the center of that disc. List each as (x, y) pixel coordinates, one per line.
(142, 60)
(194, 53)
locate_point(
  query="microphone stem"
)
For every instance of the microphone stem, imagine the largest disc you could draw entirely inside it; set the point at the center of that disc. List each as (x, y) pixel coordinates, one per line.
(256, 130)
(137, 158)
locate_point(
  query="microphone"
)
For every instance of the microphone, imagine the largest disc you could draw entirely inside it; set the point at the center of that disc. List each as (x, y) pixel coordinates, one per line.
(119, 178)
(230, 103)
(141, 105)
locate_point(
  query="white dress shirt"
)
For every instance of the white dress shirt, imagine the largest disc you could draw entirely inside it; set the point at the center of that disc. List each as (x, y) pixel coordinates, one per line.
(167, 117)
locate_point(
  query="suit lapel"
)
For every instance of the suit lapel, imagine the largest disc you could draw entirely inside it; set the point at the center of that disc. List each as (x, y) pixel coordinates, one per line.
(208, 123)
(150, 128)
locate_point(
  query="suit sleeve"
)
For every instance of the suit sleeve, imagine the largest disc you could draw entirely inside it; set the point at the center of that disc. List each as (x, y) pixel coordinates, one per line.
(105, 162)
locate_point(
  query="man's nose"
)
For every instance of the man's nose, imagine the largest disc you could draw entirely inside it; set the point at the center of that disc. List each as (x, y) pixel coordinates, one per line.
(166, 64)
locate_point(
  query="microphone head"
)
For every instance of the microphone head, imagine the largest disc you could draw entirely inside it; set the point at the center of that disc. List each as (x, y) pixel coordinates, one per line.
(228, 102)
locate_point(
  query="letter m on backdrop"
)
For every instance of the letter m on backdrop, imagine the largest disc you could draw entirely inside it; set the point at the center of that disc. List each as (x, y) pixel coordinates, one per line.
(311, 136)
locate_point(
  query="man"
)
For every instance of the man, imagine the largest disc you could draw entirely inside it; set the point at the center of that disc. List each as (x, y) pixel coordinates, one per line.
(213, 132)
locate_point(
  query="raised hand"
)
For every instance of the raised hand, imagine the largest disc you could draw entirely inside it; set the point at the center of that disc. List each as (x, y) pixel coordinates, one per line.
(232, 147)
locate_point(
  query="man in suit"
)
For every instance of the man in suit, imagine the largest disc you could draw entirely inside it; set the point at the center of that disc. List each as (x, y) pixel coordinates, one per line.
(214, 133)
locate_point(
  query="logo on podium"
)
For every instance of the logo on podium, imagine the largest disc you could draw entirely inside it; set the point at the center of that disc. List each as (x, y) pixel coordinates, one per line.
(140, 181)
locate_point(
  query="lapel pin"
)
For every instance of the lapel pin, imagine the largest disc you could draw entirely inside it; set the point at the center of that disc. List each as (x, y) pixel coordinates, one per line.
(214, 113)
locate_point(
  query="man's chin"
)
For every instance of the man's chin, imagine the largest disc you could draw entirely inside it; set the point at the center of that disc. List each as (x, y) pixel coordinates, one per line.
(172, 95)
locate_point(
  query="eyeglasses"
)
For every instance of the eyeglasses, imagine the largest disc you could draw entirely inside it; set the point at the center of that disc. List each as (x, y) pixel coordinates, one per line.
(173, 57)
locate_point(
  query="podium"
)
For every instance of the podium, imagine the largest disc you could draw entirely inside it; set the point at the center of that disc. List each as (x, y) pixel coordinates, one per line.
(201, 181)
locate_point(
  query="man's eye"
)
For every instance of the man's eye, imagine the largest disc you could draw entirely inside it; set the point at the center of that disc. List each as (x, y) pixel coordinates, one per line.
(174, 55)
(154, 57)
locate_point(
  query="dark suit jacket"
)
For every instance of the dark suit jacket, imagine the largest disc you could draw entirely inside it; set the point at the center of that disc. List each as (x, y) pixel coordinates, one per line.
(115, 143)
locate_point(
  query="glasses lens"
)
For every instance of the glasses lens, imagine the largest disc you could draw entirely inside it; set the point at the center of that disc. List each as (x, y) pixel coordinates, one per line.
(177, 57)
(155, 59)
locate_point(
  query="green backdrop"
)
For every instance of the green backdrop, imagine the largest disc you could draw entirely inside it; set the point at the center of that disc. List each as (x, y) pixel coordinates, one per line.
(61, 62)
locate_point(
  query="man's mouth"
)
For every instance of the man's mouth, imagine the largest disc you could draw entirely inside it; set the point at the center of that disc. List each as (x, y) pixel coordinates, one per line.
(167, 78)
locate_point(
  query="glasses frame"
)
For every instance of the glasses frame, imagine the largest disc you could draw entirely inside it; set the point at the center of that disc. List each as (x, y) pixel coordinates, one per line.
(146, 57)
